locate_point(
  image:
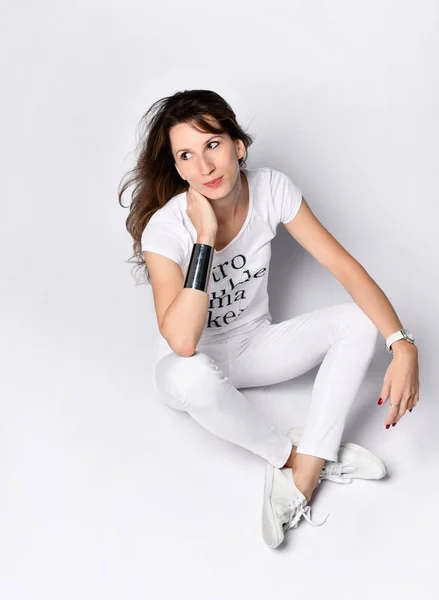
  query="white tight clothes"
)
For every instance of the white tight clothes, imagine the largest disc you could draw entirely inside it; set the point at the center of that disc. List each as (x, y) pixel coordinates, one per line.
(206, 384)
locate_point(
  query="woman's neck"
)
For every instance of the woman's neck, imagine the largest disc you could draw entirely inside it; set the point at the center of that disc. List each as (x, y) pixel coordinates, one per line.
(227, 209)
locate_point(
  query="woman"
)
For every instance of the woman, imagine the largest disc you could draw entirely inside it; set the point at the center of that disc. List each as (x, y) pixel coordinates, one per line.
(202, 226)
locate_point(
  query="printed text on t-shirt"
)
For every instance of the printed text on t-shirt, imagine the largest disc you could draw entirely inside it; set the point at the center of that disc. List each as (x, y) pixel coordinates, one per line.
(232, 275)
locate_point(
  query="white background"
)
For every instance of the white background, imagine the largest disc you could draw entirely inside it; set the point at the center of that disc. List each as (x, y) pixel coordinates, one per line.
(104, 492)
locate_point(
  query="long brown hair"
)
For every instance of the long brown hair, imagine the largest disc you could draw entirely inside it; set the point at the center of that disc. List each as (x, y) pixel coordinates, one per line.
(154, 176)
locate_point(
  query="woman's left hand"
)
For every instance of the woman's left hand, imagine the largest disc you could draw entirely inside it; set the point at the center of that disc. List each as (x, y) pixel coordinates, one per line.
(401, 383)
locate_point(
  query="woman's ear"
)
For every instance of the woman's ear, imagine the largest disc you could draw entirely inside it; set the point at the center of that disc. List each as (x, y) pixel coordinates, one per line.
(240, 149)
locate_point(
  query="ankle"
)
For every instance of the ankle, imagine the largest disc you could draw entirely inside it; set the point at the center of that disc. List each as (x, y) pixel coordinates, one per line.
(291, 458)
(306, 485)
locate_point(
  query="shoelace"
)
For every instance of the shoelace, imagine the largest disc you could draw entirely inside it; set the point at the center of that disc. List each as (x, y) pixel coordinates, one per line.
(333, 472)
(302, 511)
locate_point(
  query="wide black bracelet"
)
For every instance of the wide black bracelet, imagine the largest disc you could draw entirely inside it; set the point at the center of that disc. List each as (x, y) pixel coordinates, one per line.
(200, 267)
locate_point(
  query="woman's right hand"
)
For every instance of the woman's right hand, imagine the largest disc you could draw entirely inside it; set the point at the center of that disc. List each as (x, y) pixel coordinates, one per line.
(201, 213)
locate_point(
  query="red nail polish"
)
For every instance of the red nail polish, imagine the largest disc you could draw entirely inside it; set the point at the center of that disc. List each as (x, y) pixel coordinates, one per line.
(410, 409)
(380, 401)
(393, 424)
(387, 426)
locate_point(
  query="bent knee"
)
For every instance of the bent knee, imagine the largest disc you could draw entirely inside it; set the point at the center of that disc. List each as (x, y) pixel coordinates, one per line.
(182, 376)
(174, 367)
(356, 319)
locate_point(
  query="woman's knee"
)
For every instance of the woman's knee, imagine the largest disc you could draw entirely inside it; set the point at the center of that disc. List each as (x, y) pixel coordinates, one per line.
(356, 320)
(182, 377)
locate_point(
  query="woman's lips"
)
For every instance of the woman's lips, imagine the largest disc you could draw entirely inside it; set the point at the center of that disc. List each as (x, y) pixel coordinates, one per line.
(215, 183)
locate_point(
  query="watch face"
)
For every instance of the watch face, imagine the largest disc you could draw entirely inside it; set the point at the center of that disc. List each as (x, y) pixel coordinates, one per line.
(408, 335)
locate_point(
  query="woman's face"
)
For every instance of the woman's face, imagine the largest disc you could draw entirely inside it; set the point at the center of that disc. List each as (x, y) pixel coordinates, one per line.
(200, 157)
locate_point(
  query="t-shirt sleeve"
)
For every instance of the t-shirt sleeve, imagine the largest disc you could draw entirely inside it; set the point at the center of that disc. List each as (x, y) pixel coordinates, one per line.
(287, 196)
(165, 237)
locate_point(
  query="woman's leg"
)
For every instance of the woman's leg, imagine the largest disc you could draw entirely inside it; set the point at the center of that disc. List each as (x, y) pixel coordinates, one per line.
(341, 336)
(197, 385)
(343, 339)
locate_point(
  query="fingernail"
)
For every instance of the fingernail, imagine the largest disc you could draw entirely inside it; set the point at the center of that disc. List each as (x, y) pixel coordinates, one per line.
(410, 410)
(387, 426)
(380, 401)
(393, 424)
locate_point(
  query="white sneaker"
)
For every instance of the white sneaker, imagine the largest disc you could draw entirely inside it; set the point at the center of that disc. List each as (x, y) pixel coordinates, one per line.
(352, 458)
(284, 505)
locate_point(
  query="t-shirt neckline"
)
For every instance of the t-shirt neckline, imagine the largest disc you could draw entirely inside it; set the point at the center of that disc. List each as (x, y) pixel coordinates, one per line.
(249, 212)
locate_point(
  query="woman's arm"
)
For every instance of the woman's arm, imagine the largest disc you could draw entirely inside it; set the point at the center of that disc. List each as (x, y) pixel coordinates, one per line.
(373, 301)
(317, 240)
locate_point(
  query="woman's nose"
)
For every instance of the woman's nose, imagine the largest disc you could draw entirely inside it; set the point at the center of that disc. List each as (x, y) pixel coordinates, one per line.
(206, 166)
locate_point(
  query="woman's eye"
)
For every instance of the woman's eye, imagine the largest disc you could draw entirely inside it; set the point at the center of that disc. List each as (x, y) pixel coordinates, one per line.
(183, 154)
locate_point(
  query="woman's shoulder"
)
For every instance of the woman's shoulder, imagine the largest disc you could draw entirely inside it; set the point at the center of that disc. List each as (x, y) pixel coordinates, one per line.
(165, 232)
(257, 171)
(275, 178)
(170, 221)
(264, 174)
(173, 210)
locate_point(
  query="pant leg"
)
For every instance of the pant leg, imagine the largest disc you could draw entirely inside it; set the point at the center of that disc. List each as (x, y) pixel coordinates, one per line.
(341, 337)
(197, 385)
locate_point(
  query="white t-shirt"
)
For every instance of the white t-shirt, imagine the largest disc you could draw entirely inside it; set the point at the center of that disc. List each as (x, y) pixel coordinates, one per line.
(238, 284)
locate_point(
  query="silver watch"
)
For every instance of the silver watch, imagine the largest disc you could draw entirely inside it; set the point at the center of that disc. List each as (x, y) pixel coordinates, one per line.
(399, 335)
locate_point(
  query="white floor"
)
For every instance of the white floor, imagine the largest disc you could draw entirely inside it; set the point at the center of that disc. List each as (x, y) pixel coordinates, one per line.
(107, 494)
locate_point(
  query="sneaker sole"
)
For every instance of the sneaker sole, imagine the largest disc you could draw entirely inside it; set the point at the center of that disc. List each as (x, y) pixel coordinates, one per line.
(268, 517)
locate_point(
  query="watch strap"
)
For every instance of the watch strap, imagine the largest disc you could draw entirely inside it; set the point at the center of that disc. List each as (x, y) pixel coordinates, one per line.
(398, 335)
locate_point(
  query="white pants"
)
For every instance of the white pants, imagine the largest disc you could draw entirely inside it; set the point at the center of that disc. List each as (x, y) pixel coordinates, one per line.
(206, 384)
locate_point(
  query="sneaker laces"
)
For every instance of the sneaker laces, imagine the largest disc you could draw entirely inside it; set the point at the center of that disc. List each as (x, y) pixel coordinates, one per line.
(333, 471)
(299, 510)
